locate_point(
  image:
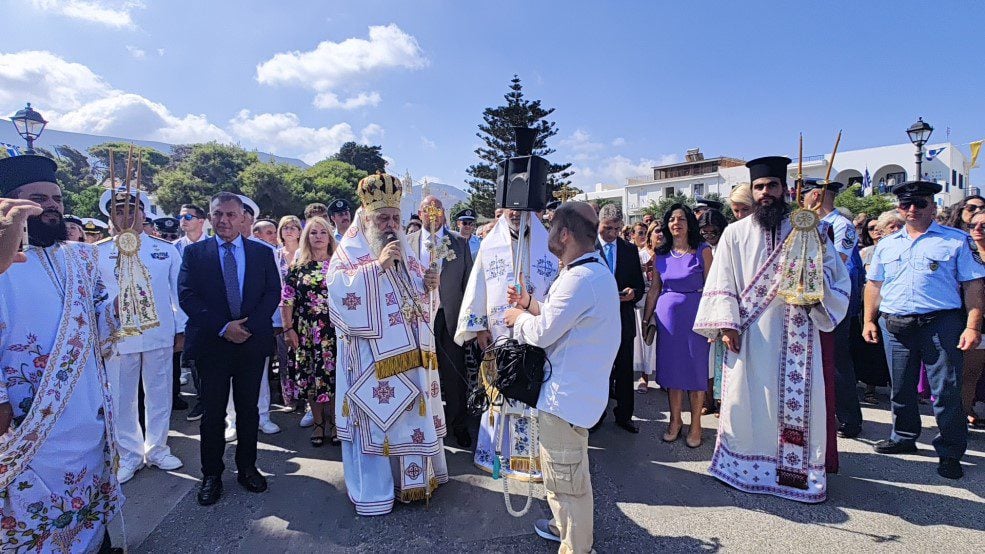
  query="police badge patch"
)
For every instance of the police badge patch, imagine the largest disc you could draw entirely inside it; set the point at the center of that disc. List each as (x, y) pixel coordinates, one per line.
(850, 237)
(159, 255)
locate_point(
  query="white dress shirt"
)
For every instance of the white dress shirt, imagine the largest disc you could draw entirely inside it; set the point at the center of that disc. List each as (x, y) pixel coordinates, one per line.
(579, 328)
(425, 257)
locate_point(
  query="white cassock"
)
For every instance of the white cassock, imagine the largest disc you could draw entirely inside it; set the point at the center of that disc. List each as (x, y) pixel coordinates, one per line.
(771, 433)
(483, 308)
(388, 403)
(147, 354)
(58, 487)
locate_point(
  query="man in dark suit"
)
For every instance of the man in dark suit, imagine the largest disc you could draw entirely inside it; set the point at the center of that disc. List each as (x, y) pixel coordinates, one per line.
(453, 277)
(229, 287)
(623, 260)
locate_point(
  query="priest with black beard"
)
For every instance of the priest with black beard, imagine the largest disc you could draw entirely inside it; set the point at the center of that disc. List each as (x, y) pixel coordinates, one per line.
(772, 433)
(55, 410)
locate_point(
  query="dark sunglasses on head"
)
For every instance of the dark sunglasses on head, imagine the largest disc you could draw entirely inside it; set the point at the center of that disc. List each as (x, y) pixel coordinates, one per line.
(188, 217)
(974, 208)
(920, 203)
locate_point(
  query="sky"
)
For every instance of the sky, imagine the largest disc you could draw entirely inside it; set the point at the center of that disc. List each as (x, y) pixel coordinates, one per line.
(634, 84)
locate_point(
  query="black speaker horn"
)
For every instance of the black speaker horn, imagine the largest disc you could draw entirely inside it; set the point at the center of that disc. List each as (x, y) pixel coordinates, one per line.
(524, 138)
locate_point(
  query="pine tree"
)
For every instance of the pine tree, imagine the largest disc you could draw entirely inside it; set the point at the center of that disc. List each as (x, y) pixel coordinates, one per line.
(496, 132)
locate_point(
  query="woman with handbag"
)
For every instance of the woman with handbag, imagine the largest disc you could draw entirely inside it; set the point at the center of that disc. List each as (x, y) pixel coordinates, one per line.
(680, 268)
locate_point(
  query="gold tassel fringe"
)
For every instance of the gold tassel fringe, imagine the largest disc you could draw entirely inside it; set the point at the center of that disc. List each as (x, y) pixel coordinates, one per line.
(419, 493)
(386, 445)
(345, 407)
(398, 364)
(424, 406)
(524, 464)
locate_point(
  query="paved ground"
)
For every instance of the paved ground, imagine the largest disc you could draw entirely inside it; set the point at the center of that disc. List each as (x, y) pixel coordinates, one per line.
(649, 497)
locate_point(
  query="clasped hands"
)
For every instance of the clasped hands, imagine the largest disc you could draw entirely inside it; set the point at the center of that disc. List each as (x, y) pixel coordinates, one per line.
(236, 331)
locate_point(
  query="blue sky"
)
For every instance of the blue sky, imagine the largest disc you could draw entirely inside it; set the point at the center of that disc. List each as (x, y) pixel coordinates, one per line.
(634, 83)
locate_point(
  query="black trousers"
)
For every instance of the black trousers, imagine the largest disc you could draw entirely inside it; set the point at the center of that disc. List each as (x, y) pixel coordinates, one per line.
(847, 407)
(453, 374)
(176, 374)
(245, 369)
(621, 380)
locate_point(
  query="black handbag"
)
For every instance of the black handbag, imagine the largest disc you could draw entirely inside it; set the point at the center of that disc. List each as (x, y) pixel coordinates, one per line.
(520, 371)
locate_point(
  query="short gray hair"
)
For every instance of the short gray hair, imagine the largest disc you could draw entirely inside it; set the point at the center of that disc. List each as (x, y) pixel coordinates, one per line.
(610, 212)
(224, 197)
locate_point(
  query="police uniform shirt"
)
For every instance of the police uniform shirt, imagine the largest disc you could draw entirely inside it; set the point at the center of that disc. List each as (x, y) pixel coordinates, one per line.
(474, 243)
(923, 275)
(846, 238)
(184, 241)
(162, 263)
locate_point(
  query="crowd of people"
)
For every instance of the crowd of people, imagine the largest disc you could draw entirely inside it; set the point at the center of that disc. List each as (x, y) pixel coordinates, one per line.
(380, 329)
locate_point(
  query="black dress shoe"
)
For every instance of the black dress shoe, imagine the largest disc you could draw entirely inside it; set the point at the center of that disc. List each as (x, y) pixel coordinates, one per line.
(252, 481)
(463, 438)
(950, 468)
(889, 446)
(846, 432)
(628, 426)
(196, 413)
(179, 404)
(210, 490)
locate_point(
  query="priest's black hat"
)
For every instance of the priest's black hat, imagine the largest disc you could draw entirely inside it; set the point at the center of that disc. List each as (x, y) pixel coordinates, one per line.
(18, 171)
(768, 166)
(812, 184)
(910, 189)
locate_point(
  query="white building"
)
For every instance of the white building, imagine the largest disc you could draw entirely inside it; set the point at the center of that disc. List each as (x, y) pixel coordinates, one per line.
(943, 163)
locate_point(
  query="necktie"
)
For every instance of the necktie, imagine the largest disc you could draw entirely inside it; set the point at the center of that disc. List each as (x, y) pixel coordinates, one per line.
(608, 257)
(230, 277)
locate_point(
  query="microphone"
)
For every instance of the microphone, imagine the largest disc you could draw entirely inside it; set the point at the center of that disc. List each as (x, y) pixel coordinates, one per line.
(388, 238)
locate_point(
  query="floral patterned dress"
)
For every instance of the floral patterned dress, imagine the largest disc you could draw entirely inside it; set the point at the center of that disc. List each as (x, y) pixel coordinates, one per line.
(312, 365)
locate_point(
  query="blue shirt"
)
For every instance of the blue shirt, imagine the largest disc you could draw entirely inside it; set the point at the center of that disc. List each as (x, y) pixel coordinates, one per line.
(846, 239)
(474, 243)
(923, 275)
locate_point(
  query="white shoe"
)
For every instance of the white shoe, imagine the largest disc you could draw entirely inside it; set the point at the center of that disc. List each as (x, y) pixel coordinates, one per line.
(169, 462)
(230, 434)
(269, 427)
(308, 420)
(125, 473)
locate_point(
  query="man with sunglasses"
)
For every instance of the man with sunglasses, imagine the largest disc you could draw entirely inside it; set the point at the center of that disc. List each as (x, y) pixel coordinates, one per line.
(191, 220)
(913, 295)
(465, 220)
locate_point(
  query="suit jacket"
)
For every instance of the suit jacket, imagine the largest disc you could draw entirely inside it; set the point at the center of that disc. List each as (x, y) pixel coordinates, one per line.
(454, 275)
(629, 274)
(202, 295)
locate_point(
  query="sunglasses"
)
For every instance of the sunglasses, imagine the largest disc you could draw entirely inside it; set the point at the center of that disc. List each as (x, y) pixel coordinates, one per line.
(188, 217)
(871, 228)
(978, 226)
(974, 208)
(920, 203)
(169, 236)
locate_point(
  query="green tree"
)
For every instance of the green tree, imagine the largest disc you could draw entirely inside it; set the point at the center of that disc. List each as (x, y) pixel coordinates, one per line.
(73, 173)
(657, 209)
(84, 203)
(274, 187)
(176, 187)
(496, 133)
(204, 170)
(330, 180)
(361, 156)
(151, 163)
(852, 199)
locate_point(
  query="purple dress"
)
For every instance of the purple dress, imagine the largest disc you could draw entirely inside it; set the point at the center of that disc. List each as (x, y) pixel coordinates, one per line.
(682, 354)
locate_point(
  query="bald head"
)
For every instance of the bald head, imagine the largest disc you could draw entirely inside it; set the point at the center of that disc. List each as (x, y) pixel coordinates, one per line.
(579, 219)
(432, 213)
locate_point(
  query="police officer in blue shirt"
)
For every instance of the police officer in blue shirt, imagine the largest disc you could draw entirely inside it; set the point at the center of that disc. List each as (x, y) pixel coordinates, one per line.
(338, 212)
(465, 221)
(914, 294)
(821, 194)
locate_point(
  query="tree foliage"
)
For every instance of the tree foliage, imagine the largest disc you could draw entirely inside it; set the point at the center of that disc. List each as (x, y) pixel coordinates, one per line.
(852, 199)
(361, 156)
(151, 162)
(496, 133)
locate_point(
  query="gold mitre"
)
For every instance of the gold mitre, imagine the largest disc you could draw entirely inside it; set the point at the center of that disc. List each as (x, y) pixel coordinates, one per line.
(379, 191)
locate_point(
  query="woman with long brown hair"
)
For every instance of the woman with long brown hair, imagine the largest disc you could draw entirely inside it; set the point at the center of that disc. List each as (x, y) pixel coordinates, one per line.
(307, 328)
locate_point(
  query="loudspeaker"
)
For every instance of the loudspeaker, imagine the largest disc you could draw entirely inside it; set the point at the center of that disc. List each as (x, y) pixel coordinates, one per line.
(521, 184)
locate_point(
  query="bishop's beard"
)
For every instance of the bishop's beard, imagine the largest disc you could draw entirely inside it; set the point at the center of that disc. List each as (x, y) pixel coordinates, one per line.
(43, 234)
(378, 240)
(770, 216)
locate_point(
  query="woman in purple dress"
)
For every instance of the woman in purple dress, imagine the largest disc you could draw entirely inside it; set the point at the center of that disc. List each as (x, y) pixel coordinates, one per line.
(680, 267)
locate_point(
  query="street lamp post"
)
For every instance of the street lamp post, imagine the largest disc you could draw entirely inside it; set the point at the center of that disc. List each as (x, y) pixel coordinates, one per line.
(29, 125)
(919, 134)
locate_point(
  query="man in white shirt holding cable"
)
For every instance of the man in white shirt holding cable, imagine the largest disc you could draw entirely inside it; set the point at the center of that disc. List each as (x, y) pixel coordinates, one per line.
(578, 326)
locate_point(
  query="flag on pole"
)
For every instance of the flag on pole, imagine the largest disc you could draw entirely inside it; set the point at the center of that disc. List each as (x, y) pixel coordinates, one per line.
(976, 149)
(931, 154)
(866, 182)
(11, 149)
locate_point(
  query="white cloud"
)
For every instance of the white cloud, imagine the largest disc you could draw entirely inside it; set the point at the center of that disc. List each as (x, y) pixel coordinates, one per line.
(137, 53)
(614, 170)
(618, 141)
(428, 143)
(370, 133)
(334, 65)
(329, 101)
(160, 52)
(581, 146)
(76, 99)
(112, 13)
(283, 134)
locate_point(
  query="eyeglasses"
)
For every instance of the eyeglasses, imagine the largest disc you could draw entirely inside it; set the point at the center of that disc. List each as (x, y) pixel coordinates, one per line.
(872, 228)
(920, 203)
(974, 208)
(188, 217)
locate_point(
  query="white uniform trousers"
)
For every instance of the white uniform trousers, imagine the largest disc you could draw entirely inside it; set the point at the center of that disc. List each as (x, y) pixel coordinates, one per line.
(263, 403)
(124, 372)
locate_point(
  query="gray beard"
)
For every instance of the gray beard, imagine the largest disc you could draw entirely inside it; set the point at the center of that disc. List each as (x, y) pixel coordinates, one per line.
(377, 241)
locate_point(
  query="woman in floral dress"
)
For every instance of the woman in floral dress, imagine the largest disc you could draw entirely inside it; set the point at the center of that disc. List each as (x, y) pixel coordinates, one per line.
(307, 329)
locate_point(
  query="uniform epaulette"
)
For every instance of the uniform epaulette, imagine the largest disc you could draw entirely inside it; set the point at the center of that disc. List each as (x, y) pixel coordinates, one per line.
(98, 242)
(162, 240)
